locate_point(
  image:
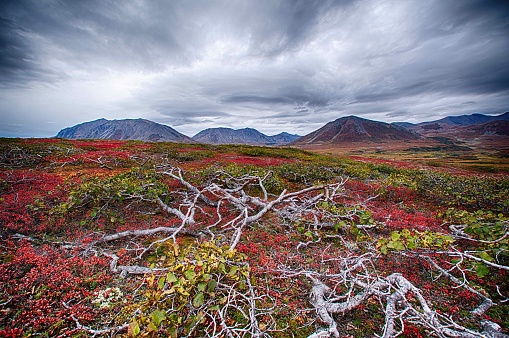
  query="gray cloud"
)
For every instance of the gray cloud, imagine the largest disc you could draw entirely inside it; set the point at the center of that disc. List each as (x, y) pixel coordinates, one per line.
(268, 64)
(289, 95)
(15, 62)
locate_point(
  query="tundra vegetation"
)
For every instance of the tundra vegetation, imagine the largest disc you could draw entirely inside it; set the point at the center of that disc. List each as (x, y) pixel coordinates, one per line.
(125, 238)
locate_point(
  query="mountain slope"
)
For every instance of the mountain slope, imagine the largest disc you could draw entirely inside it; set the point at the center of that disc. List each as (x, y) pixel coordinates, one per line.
(128, 129)
(355, 129)
(242, 136)
(500, 127)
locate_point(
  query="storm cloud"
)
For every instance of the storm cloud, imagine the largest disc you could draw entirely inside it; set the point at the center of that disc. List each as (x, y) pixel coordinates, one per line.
(274, 65)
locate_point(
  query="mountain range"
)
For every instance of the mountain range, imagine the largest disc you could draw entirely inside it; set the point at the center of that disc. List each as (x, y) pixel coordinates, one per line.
(242, 136)
(465, 120)
(350, 129)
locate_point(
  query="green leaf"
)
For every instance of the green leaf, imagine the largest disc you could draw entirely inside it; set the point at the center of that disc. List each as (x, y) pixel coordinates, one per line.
(396, 245)
(134, 328)
(157, 317)
(484, 255)
(448, 238)
(481, 270)
(221, 268)
(189, 274)
(308, 234)
(405, 233)
(214, 308)
(202, 286)
(411, 245)
(152, 327)
(395, 236)
(160, 283)
(233, 270)
(339, 225)
(170, 278)
(198, 300)
(212, 285)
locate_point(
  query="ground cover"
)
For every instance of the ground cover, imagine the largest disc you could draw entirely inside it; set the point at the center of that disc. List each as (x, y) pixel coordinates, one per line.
(125, 238)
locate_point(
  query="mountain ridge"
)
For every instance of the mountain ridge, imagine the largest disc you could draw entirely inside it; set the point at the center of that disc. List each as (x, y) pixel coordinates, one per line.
(250, 136)
(459, 120)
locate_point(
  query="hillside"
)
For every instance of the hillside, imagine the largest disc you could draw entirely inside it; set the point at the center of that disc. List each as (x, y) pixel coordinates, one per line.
(500, 127)
(128, 129)
(355, 129)
(242, 136)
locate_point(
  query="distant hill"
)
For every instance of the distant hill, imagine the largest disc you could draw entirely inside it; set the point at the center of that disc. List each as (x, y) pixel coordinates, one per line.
(452, 121)
(242, 136)
(464, 127)
(128, 129)
(466, 120)
(355, 129)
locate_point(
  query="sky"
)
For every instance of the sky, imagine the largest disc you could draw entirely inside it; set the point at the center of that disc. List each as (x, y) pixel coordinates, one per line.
(273, 65)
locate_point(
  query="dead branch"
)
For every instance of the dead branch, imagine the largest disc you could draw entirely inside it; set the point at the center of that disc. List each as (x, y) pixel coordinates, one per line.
(101, 332)
(144, 232)
(129, 269)
(178, 176)
(393, 291)
(486, 302)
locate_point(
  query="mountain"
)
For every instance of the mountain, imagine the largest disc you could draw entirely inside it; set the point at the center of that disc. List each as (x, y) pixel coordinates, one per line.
(452, 121)
(465, 120)
(128, 129)
(242, 136)
(284, 138)
(355, 129)
(464, 127)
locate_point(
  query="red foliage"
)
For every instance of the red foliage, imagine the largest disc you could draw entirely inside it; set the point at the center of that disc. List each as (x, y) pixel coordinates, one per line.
(11, 333)
(357, 188)
(398, 219)
(399, 194)
(46, 285)
(40, 140)
(412, 332)
(20, 212)
(246, 160)
(99, 144)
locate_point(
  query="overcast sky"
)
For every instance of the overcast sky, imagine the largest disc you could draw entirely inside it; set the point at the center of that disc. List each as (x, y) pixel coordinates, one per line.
(273, 65)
